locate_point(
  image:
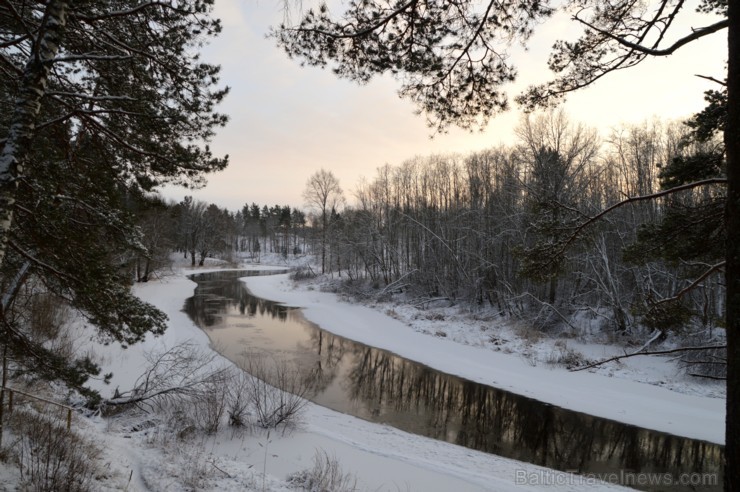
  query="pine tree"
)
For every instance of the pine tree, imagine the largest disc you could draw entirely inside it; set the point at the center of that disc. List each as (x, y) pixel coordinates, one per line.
(105, 99)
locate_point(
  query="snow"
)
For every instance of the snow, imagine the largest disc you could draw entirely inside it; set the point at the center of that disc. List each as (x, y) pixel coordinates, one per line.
(378, 456)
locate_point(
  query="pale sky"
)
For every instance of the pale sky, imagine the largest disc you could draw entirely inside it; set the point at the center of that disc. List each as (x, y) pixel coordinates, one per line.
(289, 121)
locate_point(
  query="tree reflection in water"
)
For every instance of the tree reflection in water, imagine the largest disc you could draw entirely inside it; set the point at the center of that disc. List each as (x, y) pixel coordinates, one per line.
(382, 387)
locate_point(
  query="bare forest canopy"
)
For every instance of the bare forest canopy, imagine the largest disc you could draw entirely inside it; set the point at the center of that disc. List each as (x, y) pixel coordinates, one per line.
(490, 229)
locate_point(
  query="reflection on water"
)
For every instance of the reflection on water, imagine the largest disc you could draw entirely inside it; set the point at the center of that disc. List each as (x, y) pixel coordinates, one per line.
(381, 387)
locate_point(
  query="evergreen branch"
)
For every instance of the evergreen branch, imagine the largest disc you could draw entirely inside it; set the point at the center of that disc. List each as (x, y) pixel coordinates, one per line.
(88, 118)
(78, 112)
(723, 83)
(128, 12)
(665, 23)
(18, 18)
(38, 262)
(59, 119)
(14, 41)
(476, 34)
(18, 280)
(12, 334)
(364, 32)
(651, 352)
(18, 71)
(91, 57)
(697, 34)
(87, 97)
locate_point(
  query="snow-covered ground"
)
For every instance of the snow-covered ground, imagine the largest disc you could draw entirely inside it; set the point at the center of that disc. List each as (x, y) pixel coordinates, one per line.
(380, 457)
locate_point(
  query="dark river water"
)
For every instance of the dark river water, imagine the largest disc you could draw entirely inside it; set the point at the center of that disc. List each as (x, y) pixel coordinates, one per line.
(379, 386)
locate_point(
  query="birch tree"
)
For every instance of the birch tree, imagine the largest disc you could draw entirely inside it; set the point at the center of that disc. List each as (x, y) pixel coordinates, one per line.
(323, 194)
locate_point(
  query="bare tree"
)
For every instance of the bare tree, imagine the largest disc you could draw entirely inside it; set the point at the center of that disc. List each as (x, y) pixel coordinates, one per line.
(324, 194)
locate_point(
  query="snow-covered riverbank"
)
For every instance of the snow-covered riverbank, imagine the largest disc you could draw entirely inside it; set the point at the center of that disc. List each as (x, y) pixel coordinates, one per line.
(621, 399)
(380, 457)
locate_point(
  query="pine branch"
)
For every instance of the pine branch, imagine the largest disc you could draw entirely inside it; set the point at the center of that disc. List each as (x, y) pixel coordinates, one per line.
(91, 57)
(19, 18)
(18, 280)
(129, 12)
(723, 83)
(697, 34)
(38, 262)
(363, 32)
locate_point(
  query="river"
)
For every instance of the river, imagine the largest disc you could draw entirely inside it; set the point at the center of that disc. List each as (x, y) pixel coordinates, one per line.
(382, 387)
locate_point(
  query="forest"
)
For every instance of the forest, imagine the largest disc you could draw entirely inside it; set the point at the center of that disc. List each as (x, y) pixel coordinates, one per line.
(511, 229)
(631, 234)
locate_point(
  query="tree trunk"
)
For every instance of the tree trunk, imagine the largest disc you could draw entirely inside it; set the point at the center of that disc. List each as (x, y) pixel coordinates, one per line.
(147, 267)
(732, 270)
(323, 241)
(26, 109)
(553, 290)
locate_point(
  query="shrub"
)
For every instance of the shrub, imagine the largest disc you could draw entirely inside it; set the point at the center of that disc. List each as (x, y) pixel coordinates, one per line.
(303, 273)
(326, 475)
(277, 391)
(566, 357)
(238, 398)
(49, 456)
(208, 405)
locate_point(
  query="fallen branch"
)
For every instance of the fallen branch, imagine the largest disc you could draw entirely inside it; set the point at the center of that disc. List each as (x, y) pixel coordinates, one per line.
(431, 300)
(716, 378)
(656, 334)
(213, 463)
(553, 308)
(654, 352)
(395, 283)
